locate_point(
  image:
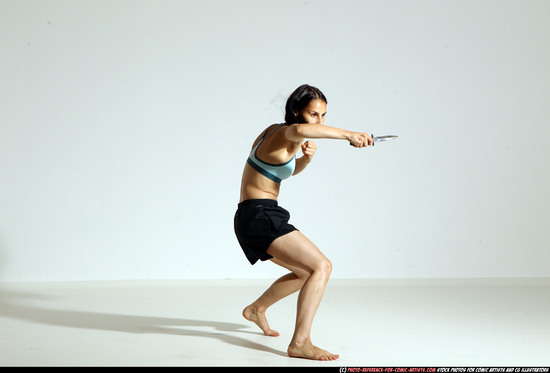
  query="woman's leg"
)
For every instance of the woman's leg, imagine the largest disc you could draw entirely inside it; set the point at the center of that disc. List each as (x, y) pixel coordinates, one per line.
(280, 289)
(296, 251)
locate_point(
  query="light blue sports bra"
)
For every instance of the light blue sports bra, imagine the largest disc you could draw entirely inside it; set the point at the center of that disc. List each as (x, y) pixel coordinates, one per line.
(275, 172)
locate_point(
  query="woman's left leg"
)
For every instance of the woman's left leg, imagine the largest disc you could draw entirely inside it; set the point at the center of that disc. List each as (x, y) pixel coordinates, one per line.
(283, 287)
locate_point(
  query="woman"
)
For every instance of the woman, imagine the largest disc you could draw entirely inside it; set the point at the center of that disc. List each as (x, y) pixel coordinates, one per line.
(262, 227)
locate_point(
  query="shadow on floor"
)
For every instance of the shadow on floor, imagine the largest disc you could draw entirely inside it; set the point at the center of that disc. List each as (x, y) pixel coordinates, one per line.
(11, 306)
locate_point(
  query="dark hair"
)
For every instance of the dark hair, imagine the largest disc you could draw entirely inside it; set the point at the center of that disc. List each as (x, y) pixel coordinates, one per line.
(299, 99)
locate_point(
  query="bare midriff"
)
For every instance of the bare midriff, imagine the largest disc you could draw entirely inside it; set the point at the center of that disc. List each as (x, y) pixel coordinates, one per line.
(256, 186)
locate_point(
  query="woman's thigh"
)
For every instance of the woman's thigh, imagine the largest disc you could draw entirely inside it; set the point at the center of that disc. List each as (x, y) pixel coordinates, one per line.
(296, 250)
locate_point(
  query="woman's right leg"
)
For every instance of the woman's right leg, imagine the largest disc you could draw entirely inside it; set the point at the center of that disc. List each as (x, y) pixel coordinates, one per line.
(294, 250)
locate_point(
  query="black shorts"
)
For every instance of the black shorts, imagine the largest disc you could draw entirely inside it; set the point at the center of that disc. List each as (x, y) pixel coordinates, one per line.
(257, 223)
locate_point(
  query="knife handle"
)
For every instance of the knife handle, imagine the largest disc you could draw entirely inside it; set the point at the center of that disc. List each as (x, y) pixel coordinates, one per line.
(371, 135)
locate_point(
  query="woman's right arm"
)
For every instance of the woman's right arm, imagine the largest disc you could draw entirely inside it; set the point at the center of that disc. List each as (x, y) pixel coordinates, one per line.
(300, 132)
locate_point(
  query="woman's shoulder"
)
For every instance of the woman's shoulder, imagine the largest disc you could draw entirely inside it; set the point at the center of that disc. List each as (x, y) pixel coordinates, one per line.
(271, 131)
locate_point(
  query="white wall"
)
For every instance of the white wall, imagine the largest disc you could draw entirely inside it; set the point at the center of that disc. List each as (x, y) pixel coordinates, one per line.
(125, 126)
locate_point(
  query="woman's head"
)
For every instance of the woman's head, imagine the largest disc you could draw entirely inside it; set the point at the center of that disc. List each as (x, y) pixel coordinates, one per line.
(305, 97)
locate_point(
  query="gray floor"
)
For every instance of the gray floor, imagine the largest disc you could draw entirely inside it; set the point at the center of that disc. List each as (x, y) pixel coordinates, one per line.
(199, 323)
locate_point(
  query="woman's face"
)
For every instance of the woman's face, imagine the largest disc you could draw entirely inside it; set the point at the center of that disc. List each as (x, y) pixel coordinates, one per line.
(313, 113)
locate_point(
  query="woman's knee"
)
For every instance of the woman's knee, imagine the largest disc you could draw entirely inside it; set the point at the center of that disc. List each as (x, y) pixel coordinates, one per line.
(328, 267)
(324, 267)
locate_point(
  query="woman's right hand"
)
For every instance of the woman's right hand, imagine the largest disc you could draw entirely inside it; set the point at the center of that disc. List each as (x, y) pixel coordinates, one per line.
(360, 139)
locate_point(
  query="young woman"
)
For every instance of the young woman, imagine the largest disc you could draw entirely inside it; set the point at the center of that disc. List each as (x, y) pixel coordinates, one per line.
(262, 227)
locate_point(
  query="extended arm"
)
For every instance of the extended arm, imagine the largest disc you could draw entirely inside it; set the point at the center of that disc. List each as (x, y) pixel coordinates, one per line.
(299, 132)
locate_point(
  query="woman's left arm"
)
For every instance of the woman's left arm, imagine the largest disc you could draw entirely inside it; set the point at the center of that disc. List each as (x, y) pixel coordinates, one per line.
(308, 148)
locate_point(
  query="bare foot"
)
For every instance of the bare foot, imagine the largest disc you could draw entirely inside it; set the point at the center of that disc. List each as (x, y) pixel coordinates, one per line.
(309, 351)
(252, 314)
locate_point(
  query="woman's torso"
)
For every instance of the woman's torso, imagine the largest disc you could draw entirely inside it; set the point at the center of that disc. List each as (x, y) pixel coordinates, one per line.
(275, 149)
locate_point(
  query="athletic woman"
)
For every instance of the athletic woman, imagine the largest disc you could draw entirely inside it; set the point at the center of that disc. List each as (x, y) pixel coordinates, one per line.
(262, 227)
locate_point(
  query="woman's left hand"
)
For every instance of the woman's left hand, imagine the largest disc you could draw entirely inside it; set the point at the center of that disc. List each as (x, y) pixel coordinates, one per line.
(309, 148)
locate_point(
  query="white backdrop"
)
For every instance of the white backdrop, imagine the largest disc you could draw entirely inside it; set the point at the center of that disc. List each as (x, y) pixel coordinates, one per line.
(125, 126)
